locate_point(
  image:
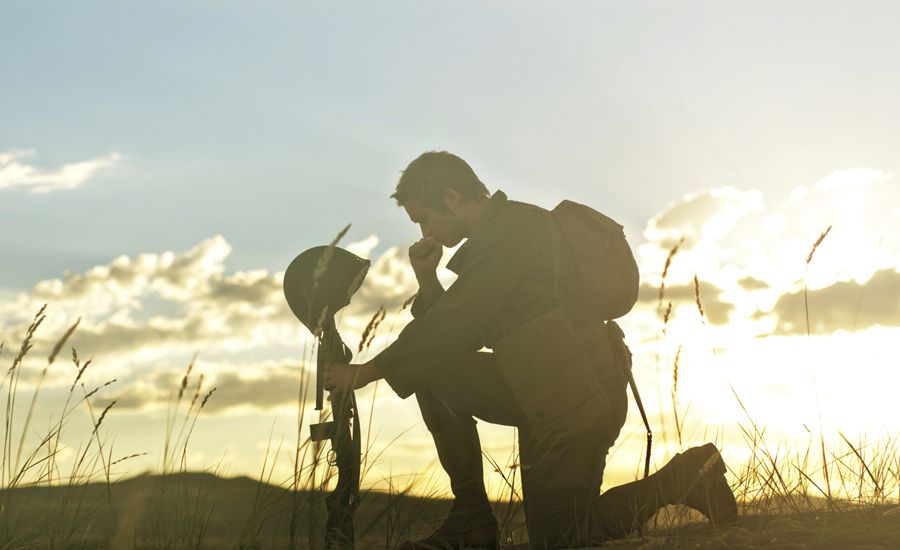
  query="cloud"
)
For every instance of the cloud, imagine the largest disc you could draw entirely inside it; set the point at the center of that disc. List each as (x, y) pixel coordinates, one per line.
(164, 299)
(141, 312)
(749, 283)
(702, 215)
(845, 305)
(364, 248)
(755, 250)
(261, 386)
(15, 173)
(715, 309)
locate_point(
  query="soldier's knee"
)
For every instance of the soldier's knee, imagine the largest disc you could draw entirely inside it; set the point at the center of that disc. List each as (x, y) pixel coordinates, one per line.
(436, 414)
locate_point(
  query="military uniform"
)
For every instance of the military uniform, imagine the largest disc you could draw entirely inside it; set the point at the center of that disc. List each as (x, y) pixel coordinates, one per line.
(555, 371)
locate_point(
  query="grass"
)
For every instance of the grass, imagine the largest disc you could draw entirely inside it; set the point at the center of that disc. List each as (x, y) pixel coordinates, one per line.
(784, 489)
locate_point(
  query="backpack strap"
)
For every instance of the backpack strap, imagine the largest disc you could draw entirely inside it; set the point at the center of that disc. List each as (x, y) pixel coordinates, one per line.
(617, 342)
(553, 291)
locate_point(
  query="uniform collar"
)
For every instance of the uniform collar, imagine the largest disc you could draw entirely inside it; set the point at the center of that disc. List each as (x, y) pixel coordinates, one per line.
(496, 203)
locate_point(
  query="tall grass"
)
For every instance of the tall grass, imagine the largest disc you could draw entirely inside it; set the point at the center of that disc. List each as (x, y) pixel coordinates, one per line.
(775, 478)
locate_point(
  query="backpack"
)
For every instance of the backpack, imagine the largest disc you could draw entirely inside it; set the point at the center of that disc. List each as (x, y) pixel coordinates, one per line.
(606, 274)
(606, 279)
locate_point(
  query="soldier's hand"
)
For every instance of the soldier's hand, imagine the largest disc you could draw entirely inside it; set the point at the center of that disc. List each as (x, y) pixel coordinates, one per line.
(424, 256)
(341, 377)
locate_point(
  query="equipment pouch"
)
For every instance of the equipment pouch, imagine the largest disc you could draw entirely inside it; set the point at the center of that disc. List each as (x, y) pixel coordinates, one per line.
(551, 377)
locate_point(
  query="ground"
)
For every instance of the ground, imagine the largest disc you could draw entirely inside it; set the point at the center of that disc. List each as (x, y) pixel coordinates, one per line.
(204, 511)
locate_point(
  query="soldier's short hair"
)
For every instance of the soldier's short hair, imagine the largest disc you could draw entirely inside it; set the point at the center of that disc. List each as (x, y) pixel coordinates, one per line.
(427, 178)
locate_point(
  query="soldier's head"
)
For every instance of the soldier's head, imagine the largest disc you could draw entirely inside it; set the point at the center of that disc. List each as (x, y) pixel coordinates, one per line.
(441, 193)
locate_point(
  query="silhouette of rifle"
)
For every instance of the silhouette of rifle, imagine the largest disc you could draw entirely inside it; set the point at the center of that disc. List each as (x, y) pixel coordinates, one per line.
(317, 284)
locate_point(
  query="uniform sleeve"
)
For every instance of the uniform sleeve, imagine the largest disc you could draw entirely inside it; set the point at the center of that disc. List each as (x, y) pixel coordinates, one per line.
(421, 305)
(494, 265)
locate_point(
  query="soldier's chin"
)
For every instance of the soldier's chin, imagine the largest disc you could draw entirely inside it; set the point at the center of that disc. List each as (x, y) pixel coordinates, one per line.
(451, 242)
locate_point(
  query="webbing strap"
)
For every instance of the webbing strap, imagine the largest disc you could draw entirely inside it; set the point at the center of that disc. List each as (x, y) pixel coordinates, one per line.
(626, 368)
(557, 251)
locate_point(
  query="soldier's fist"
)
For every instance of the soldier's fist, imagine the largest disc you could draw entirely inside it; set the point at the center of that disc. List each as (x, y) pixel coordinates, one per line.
(424, 256)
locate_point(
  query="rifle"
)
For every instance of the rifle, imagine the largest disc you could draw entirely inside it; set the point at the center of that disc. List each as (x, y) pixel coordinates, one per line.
(317, 284)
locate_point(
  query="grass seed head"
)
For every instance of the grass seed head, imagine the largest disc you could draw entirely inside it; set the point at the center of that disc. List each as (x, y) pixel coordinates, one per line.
(662, 285)
(666, 316)
(103, 415)
(370, 328)
(409, 301)
(62, 342)
(697, 298)
(207, 396)
(184, 380)
(817, 243)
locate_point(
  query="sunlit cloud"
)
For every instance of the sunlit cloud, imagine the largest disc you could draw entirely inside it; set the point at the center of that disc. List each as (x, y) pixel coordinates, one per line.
(715, 309)
(141, 313)
(262, 386)
(845, 305)
(14, 172)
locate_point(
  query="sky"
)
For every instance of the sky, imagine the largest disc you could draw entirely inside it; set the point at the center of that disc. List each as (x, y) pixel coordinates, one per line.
(162, 162)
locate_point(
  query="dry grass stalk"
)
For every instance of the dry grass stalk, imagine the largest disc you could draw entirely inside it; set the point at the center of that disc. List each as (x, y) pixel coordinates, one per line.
(662, 285)
(103, 415)
(62, 341)
(374, 324)
(207, 396)
(809, 258)
(817, 243)
(184, 380)
(129, 457)
(91, 393)
(698, 300)
(666, 317)
(323, 262)
(59, 344)
(81, 368)
(29, 336)
(370, 328)
(197, 391)
(409, 301)
(675, 393)
(320, 323)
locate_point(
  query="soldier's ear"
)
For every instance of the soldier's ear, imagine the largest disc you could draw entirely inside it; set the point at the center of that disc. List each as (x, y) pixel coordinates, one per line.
(452, 200)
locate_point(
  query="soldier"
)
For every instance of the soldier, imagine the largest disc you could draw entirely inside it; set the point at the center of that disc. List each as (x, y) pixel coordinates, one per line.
(555, 372)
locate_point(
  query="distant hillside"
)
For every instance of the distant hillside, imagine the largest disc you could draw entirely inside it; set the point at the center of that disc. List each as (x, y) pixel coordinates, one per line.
(198, 510)
(178, 510)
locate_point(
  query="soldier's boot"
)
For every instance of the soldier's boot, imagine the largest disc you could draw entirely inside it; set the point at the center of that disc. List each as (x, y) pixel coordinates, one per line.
(470, 523)
(694, 478)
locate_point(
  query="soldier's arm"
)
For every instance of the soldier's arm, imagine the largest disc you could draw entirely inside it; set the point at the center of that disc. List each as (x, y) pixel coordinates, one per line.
(493, 267)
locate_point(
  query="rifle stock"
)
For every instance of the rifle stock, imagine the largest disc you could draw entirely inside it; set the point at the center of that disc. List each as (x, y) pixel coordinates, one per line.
(344, 433)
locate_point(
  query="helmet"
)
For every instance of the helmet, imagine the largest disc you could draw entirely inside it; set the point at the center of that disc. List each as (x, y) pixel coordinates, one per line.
(320, 281)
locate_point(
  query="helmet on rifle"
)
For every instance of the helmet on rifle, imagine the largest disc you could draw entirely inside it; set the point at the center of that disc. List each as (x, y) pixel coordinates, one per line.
(320, 281)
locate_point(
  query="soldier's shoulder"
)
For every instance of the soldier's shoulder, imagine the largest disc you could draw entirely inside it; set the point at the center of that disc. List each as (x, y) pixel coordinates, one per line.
(521, 217)
(518, 209)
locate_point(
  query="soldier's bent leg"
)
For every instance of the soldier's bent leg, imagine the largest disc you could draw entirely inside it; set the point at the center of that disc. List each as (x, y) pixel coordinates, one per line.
(459, 452)
(560, 481)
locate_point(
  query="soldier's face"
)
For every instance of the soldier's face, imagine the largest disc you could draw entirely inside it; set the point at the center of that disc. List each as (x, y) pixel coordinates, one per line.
(443, 225)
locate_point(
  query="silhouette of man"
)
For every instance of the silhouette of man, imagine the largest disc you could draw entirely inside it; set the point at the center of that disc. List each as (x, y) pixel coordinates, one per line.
(568, 415)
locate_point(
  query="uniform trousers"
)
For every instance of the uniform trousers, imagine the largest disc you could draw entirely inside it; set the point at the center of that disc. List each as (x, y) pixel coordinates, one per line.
(561, 479)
